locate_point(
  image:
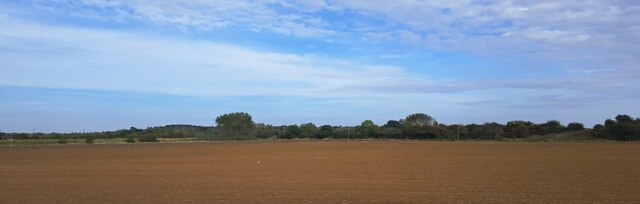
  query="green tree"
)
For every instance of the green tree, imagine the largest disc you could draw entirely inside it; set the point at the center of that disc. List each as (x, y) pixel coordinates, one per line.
(624, 128)
(419, 120)
(235, 126)
(88, 139)
(308, 130)
(366, 129)
(291, 131)
(599, 132)
(552, 126)
(518, 129)
(130, 139)
(486, 131)
(325, 131)
(264, 131)
(420, 126)
(147, 137)
(342, 132)
(21, 136)
(390, 132)
(575, 126)
(393, 124)
(456, 131)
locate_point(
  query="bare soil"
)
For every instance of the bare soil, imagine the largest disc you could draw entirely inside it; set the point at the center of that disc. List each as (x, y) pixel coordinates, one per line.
(322, 172)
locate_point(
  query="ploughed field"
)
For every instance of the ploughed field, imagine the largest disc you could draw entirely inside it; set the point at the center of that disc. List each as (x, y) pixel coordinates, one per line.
(322, 172)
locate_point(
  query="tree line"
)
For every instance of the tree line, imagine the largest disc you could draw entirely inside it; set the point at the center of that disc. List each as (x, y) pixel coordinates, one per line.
(240, 126)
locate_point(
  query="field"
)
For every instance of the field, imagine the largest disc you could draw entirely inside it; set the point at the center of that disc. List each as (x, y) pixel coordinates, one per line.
(322, 172)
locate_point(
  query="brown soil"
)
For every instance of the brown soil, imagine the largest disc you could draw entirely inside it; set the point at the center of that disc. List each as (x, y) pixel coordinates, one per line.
(322, 172)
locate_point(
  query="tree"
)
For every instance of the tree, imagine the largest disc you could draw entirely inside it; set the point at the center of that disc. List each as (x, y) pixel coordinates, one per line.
(624, 128)
(552, 126)
(308, 130)
(88, 139)
(599, 132)
(393, 124)
(366, 129)
(575, 126)
(147, 137)
(485, 131)
(518, 129)
(291, 131)
(390, 132)
(342, 132)
(21, 136)
(419, 120)
(419, 126)
(492, 130)
(456, 131)
(325, 131)
(264, 131)
(235, 125)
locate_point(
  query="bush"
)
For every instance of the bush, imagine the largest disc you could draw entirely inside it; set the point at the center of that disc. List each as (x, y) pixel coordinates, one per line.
(88, 139)
(623, 128)
(21, 136)
(129, 140)
(61, 141)
(575, 126)
(147, 138)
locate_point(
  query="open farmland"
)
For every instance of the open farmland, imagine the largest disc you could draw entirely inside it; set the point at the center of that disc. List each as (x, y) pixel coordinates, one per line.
(322, 172)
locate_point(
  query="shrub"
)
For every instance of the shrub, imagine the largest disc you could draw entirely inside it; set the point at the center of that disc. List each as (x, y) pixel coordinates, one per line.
(21, 136)
(575, 126)
(61, 141)
(147, 138)
(129, 140)
(88, 139)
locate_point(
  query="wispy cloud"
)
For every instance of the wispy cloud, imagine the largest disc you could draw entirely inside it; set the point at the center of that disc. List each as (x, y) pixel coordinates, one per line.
(365, 55)
(111, 60)
(574, 35)
(108, 60)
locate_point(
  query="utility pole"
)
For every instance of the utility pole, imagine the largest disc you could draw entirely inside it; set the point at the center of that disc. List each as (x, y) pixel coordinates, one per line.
(348, 133)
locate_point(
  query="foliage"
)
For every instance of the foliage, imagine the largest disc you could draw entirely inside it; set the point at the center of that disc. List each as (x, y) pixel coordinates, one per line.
(518, 129)
(308, 130)
(264, 131)
(235, 125)
(130, 140)
(147, 138)
(88, 139)
(291, 131)
(21, 136)
(390, 132)
(239, 126)
(575, 126)
(624, 128)
(486, 131)
(325, 132)
(552, 126)
(420, 126)
(419, 120)
(393, 124)
(366, 129)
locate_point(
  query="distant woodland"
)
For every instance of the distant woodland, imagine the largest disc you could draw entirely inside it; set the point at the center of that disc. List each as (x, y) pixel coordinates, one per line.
(418, 126)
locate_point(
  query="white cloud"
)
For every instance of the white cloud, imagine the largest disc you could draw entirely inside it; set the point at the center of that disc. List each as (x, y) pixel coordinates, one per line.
(109, 60)
(200, 15)
(573, 30)
(594, 35)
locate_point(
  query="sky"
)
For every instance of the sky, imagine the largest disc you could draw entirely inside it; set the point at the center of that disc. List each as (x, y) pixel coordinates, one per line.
(96, 65)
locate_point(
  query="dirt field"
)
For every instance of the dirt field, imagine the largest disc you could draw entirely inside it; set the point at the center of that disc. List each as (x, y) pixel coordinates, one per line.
(322, 172)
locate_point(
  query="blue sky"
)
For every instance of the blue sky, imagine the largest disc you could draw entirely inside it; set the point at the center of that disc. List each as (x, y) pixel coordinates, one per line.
(93, 65)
